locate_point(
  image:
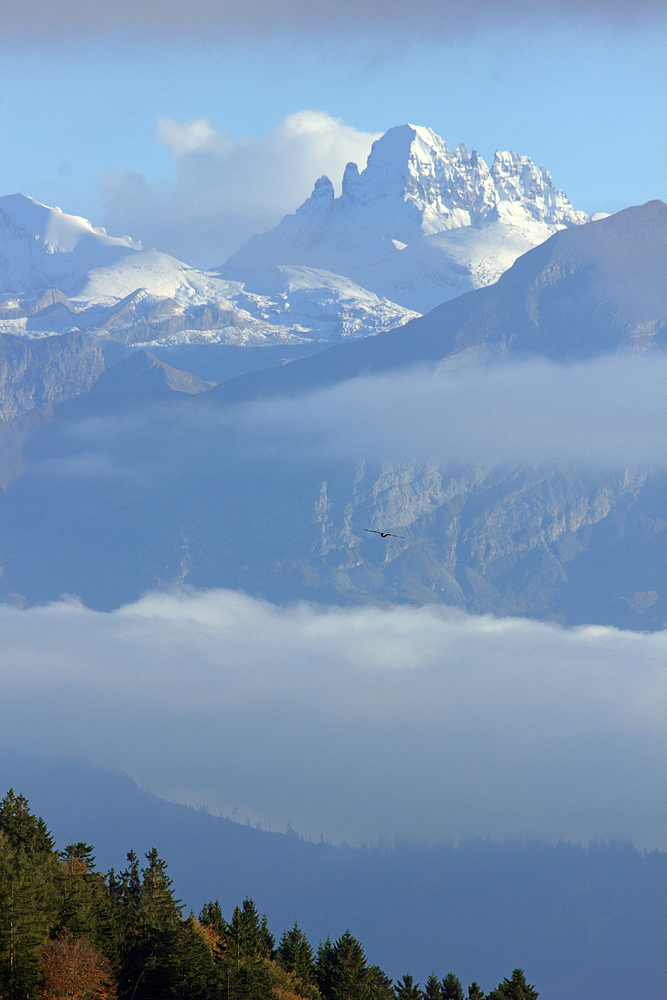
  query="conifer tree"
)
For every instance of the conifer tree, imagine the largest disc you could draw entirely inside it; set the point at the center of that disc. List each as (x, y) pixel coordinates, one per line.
(407, 989)
(158, 906)
(475, 992)
(248, 935)
(515, 988)
(123, 905)
(379, 984)
(211, 916)
(247, 948)
(325, 965)
(342, 972)
(144, 919)
(193, 974)
(28, 896)
(433, 989)
(295, 954)
(23, 830)
(82, 893)
(351, 975)
(451, 987)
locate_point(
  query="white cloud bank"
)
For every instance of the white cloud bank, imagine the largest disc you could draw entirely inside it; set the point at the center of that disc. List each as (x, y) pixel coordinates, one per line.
(225, 191)
(355, 723)
(609, 412)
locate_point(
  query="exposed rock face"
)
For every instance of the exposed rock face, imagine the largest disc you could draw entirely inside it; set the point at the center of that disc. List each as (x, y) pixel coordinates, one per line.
(517, 541)
(161, 488)
(587, 291)
(419, 225)
(153, 495)
(48, 370)
(412, 175)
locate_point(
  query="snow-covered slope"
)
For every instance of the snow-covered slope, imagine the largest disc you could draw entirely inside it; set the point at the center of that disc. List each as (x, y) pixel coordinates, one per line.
(113, 288)
(42, 247)
(587, 291)
(419, 225)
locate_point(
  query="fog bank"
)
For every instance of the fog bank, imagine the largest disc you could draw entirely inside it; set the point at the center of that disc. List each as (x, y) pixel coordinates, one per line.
(356, 723)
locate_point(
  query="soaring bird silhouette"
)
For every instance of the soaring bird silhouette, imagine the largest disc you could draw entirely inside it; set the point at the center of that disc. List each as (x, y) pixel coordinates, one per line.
(384, 534)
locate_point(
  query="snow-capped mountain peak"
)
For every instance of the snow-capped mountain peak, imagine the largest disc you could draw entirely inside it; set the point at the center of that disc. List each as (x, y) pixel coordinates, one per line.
(411, 168)
(419, 224)
(42, 247)
(57, 231)
(518, 181)
(412, 174)
(60, 274)
(411, 194)
(320, 201)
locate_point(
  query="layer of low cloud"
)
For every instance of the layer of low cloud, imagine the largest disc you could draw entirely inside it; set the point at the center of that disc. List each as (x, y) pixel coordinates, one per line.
(610, 412)
(215, 19)
(225, 191)
(607, 414)
(356, 723)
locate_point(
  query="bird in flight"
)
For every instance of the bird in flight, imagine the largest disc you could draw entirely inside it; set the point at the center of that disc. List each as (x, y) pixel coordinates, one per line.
(383, 534)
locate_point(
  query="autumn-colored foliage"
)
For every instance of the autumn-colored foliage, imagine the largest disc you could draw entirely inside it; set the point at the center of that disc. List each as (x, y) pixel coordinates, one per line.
(209, 935)
(74, 971)
(288, 986)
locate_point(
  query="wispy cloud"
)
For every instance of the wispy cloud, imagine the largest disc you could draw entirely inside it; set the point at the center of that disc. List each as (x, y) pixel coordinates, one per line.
(225, 190)
(356, 723)
(219, 17)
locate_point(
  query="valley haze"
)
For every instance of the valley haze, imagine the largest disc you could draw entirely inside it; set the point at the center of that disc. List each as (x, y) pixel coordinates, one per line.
(399, 721)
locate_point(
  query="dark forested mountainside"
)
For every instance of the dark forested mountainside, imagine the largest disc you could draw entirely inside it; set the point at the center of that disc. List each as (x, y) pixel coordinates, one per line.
(576, 918)
(69, 932)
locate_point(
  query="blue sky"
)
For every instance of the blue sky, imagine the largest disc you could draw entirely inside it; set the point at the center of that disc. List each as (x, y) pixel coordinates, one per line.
(584, 99)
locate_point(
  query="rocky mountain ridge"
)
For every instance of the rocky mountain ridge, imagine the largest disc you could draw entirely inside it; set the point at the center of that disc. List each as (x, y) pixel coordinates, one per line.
(586, 291)
(151, 495)
(166, 487)
(390, 221)
(50, 259)
(65, 281)
(420, 223)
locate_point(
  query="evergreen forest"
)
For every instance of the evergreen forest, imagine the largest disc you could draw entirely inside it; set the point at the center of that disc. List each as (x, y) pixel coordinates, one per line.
(69, 932)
